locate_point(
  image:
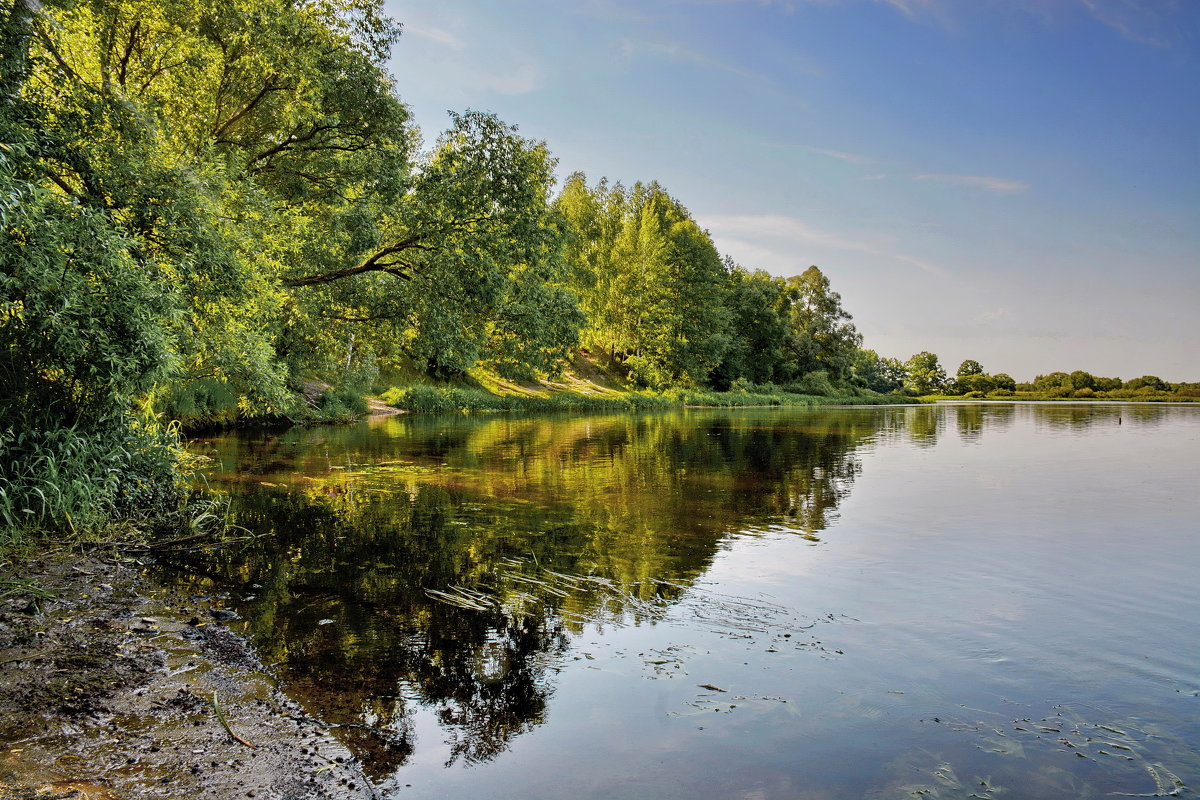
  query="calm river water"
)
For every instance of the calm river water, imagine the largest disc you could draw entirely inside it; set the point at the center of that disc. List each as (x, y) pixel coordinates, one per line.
(987, 600)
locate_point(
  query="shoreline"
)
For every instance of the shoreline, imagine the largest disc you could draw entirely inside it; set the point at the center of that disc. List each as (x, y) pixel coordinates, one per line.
(114, 687)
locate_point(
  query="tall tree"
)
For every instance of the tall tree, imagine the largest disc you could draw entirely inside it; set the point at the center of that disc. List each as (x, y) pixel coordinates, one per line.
(823, 338)
(925, 374)
(650, 280)
(759, 331)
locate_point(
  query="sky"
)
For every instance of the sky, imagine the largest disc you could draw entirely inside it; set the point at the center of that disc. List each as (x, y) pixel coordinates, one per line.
(1011, 181)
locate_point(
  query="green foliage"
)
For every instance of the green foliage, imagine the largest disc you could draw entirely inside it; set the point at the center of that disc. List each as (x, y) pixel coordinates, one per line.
(924, 374)
(650, 281)
(78, 479)
(202, 403)
(344, 404)
(1151, 382)
(973, 382)
(759, 334)
(1082, 380)
(877, 373)
(822, 337)
(969, 367)
(1005, 382)
(447, 399)
(816, 383)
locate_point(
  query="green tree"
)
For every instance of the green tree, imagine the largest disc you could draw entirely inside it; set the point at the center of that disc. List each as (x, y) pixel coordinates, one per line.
(759, 332)
(1005, 381)
(924, 374)
(969, 367)
(217, 200)
(650, 281)
(877, 373)
(1052, 382)
(1147, 382)
(823, 338)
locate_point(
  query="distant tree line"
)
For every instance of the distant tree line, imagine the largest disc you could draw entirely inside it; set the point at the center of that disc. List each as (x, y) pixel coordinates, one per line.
(923, 375)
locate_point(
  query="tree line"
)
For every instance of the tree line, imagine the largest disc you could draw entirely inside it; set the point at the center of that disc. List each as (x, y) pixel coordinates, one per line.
(207, 206)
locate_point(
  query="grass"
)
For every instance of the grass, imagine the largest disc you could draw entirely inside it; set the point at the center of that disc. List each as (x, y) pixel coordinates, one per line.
(84, 481)
(449, 399)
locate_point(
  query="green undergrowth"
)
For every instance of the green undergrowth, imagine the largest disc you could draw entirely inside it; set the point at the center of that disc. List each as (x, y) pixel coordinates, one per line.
(447, 399)
(442, 399)
(124, 480)
(84, 482)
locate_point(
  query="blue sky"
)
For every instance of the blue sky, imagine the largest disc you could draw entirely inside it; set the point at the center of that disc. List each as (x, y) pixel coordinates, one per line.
(1014, 181)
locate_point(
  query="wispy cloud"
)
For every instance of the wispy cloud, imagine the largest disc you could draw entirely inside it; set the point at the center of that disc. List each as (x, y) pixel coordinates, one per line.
(520, 78)
(451, 48)
(793, 231)
(840, 155)
(995, 315)
(630, 48)
(990, 183)
(910, 7)
(436, 35)
(1133, 18)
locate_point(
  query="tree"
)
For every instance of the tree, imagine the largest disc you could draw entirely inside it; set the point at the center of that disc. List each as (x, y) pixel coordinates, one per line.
(759, 333)
(924, 374)
(223, 199)
(650, 281)
(1005, 381)
(1147, 383)
(877, 373)
(1051, 382)
(969, 367)
(1082, 380)
(823, 338)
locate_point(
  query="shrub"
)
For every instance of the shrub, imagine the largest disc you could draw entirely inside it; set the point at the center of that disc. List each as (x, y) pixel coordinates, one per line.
(340, 405)
(80, 480)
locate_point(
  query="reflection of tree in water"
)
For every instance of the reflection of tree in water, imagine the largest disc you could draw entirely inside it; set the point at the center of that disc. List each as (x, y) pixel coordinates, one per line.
(364, 561)
(483, 511)
(923, 424)
(1080, 416)
(970, 421)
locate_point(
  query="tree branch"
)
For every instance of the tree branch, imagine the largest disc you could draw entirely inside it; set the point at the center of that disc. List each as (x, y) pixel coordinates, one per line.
(268, 87)
(375, 263)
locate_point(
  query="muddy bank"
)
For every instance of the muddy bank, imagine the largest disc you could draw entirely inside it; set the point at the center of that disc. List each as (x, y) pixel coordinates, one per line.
(112, 687)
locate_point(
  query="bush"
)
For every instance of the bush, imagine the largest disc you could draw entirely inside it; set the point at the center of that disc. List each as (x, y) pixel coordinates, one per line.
(80, 480)
(1001, 393)
(341, 405)
(815, 383)
(200, 404)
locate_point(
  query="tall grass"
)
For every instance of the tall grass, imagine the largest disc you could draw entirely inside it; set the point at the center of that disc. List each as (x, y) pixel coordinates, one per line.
(446, 399)
(81, 480)
(442, 399)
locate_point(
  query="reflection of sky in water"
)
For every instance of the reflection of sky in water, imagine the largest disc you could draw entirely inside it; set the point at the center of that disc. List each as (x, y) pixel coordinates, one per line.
(859, 602)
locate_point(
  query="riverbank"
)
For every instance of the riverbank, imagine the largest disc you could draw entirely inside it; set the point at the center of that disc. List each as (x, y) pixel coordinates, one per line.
(114, 688)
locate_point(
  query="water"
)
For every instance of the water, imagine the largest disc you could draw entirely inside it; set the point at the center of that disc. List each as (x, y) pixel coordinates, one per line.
(957, 601)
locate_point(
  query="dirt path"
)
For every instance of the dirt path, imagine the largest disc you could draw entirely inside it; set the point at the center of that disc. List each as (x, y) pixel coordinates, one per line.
(112, 689)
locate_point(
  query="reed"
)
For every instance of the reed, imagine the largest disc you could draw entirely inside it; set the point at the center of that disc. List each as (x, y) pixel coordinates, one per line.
(80, 480)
